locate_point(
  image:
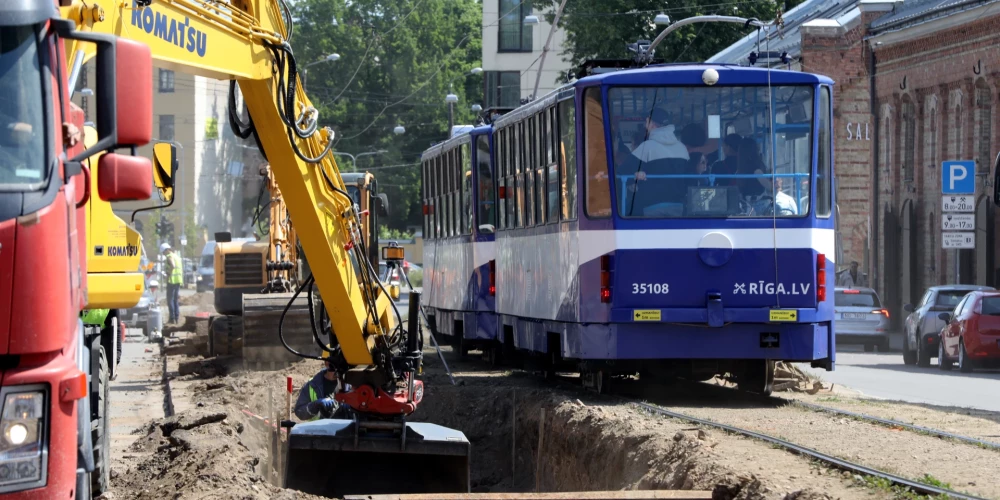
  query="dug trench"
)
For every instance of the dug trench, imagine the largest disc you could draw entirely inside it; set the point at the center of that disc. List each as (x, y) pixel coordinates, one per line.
(525, 436)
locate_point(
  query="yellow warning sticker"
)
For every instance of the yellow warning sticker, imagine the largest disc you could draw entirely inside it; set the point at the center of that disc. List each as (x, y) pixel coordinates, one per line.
(784, 315)
(646, 315)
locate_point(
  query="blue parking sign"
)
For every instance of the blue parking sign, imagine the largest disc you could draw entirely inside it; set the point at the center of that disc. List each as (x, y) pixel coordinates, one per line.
(958, 177)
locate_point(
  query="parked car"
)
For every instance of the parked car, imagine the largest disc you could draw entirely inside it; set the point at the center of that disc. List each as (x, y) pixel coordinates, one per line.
(922, 329)
(206, 268)
(860, 318)
(135, 317)
(971, 336)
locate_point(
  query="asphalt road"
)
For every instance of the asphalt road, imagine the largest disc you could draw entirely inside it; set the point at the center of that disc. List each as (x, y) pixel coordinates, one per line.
(885, 376)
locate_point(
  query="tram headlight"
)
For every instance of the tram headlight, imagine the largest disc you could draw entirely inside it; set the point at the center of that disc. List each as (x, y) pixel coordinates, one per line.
(710, 76)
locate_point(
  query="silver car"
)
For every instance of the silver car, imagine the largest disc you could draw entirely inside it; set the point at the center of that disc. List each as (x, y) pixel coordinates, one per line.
(923, 327)
(860, 318)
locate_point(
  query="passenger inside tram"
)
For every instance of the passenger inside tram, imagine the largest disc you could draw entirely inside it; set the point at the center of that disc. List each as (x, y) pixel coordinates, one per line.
(712, 151)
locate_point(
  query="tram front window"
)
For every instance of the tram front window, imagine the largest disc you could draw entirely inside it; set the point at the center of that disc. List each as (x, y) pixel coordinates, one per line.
(712, 151)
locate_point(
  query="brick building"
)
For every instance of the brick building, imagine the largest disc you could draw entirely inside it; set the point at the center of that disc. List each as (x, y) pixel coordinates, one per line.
(915, 86)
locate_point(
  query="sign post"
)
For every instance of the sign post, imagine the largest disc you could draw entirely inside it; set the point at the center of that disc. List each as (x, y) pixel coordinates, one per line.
(958, 206)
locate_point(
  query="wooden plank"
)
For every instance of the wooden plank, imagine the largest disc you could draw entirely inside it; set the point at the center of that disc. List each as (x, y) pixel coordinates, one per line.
(580, 495)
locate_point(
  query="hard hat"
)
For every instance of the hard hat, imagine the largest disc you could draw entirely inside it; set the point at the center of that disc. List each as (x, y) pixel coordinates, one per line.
(154, 284)
(164, 247)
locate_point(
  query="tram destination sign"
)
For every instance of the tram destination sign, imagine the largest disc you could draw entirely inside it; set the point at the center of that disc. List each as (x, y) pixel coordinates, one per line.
(957, 240)
(958, 203)
(958, 222)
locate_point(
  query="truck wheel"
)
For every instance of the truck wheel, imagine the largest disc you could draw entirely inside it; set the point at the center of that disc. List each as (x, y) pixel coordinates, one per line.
(99, 429)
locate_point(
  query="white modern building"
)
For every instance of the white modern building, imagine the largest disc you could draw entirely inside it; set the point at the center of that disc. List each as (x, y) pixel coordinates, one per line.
(512, 52)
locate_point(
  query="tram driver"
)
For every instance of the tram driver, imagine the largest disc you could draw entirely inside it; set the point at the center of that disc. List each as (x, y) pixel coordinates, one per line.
(662, 153)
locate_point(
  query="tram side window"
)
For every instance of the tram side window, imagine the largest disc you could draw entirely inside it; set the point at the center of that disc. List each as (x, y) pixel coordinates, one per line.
(486, 213)
(598, 189)
(551, 167)
(529, 175)
(437, 208)
(467, 188)
(824, 173)
(454, 209)
(519, 158)
(511, 185)
(500, 160)
(567, 152)
(449, 186)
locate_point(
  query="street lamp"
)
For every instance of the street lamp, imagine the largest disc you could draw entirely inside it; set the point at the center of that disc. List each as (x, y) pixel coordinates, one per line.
(476, 71)
(86, 92)
(329, 58)
(476, 108)
(662, 19)
(399, 130)
(531, 19)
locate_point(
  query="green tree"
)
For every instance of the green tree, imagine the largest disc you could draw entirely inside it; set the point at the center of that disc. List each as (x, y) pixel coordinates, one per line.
(398, 60)
(600, 29)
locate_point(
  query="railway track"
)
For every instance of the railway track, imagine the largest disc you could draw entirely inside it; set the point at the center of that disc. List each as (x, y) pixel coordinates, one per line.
(839, 463)
(833, 461)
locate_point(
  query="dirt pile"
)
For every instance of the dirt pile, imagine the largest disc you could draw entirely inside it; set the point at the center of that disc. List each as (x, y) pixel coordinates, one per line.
(204, 301)
(201, 454)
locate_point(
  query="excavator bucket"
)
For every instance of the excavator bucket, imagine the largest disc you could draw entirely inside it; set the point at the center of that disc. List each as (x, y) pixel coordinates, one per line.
(334, 458)
(262, 347)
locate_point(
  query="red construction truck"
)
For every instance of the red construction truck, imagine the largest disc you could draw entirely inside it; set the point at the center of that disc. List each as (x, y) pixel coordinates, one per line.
(48, 359)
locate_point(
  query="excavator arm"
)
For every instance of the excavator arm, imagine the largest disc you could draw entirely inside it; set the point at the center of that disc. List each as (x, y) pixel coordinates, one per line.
(247, 41)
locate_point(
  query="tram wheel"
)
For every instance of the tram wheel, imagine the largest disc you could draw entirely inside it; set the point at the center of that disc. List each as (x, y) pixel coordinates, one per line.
(757, 377)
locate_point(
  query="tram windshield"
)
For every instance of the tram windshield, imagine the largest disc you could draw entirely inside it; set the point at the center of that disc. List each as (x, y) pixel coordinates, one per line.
(712, 151)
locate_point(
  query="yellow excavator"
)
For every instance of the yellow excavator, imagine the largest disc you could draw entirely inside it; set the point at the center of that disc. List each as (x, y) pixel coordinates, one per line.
(254, 280)
(248, 42)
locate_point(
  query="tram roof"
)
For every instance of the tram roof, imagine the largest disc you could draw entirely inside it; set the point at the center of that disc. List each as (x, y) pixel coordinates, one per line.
(690, 74)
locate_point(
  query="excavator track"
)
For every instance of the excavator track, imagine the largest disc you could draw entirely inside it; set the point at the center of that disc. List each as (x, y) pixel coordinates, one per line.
(261, 346)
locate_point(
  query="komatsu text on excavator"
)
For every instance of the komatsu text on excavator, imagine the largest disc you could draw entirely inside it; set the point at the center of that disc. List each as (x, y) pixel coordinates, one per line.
(250, 43)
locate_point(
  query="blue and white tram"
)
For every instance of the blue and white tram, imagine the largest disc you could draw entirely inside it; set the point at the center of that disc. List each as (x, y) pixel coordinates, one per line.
(459, 246)
(674, 220)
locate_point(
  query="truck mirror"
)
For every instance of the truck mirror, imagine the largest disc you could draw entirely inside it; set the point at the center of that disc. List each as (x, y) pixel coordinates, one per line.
(382, 204)
(123, 178)
(164, 168)
(908, 308)
(124, 108)
(946, 317)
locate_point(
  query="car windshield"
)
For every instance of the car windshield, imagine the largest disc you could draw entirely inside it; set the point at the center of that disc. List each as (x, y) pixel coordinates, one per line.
(207, 260)
(990, 306)
(855, 298)
(949, 298)
(22, 129)
(712, 151)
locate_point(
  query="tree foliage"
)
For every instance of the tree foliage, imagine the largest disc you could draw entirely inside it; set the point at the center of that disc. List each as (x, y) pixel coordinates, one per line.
(602, 28)
(398, 60)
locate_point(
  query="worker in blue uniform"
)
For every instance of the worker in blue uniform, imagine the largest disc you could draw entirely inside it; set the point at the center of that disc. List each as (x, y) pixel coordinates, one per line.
(316, 398)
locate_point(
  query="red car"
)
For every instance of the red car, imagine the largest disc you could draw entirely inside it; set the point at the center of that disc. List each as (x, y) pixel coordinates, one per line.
(972, 334)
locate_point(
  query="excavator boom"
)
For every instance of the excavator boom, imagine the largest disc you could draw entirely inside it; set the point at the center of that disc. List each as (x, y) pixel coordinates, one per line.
(248, 43)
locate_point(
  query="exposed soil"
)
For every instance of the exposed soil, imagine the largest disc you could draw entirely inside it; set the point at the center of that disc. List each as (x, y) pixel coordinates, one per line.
(217, 444)
(203, 301)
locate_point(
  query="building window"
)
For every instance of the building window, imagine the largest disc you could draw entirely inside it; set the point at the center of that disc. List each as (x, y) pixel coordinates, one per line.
(932, 137)
(166, 81)
(984, 116)
(166, 127)
(957, 130)
(909, 139)
(515, 36)
(503, 89)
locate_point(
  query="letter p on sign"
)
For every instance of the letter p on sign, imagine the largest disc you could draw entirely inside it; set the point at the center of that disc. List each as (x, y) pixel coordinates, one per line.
(958, 177)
